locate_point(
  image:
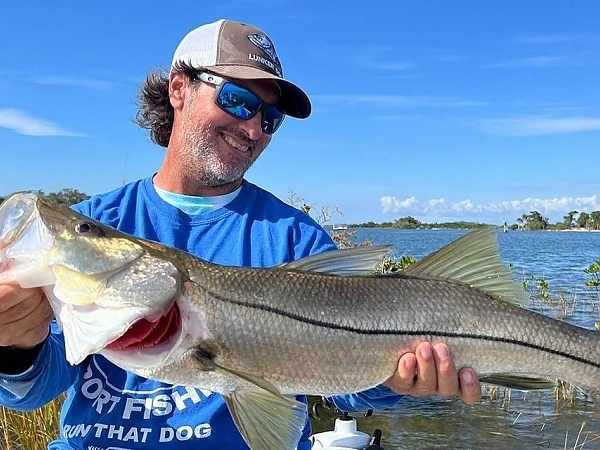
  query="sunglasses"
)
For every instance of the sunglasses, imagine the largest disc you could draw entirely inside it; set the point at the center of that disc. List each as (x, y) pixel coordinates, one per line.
(242, 103)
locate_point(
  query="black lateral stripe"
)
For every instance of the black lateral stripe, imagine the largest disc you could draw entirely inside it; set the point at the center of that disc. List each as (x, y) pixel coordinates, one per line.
(435, 333)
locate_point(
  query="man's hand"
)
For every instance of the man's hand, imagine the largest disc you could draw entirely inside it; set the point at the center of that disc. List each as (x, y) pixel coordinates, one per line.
(25, 316)
(430, 371)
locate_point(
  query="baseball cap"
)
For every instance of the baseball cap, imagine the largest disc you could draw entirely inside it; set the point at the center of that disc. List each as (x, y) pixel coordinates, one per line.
(238, 50)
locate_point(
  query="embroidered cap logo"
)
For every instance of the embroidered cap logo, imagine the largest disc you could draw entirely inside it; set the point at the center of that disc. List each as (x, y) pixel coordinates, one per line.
(264, 43)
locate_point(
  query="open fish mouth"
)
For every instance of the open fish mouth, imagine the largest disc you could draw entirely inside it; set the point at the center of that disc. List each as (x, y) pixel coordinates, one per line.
(103, 288)
(146, 333)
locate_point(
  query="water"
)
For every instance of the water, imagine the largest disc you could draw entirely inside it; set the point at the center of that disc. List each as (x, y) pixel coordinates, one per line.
(515, 420)
(559, 256)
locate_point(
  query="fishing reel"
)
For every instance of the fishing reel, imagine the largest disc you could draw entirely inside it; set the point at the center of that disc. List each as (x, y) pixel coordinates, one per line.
(345, 435)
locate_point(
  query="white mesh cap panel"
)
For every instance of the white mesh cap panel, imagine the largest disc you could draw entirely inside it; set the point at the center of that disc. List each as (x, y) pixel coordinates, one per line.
(199, 46)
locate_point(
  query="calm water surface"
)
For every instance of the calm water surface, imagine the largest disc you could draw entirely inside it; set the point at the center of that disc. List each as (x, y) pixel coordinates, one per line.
(558, 257)
(523, 420)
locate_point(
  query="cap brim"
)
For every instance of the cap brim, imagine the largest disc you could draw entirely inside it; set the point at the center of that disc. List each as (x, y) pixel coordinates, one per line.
(294, 101)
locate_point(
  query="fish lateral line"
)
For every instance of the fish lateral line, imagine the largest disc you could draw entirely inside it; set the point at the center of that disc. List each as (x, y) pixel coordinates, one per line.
(412, 333)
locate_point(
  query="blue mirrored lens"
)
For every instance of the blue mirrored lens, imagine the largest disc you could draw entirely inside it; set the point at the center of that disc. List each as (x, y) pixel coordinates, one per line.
(245, 104)
(272, 119)
(238, 101)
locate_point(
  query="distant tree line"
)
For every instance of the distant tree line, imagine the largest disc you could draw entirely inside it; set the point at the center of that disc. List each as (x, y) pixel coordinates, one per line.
(572, 220)
(412, 223)
(534, 220)
(66, 196)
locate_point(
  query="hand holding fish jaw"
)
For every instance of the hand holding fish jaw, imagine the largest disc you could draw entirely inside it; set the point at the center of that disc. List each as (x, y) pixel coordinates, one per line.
(430, 371)
(25, 316)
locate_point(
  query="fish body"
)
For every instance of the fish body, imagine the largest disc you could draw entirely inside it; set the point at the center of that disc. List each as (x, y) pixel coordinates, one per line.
(317, 326)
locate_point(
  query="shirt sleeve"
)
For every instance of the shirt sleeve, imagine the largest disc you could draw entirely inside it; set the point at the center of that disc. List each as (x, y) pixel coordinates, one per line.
(379, 397)
(48, 377)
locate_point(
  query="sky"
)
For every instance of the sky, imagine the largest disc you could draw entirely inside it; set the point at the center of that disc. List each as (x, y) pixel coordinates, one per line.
(439, 110)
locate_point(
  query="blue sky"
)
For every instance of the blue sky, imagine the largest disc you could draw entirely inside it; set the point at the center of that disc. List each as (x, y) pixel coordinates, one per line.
(441, 110)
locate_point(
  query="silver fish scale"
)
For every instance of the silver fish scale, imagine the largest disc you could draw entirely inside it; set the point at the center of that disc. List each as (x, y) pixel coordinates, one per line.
(308, 332)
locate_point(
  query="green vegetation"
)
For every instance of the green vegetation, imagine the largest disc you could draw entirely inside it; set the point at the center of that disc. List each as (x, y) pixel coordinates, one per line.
(29, 430)
(534, 220)
(594, 271)
(66, 196)
(410, 223)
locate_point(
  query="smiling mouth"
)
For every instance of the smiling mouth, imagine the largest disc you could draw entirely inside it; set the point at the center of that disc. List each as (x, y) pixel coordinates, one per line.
(236, 144)
(144, 333)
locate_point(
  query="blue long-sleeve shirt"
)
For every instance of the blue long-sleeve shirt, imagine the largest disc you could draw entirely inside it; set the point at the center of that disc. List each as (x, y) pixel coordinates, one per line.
(109, 408)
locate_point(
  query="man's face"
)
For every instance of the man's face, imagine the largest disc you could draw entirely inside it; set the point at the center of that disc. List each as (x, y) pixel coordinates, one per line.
(218, 148)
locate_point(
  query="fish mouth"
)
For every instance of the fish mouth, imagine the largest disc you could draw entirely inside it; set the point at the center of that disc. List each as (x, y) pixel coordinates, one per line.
(144, 333)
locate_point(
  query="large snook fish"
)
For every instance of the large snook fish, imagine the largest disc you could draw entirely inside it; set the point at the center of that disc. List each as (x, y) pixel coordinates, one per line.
(258, 336)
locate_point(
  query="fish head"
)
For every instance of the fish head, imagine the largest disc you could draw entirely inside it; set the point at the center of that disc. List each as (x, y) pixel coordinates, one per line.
(23, 242)
(104, 286)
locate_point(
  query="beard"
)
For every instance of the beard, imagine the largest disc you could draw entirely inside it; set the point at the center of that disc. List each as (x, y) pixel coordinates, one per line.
(200, 153)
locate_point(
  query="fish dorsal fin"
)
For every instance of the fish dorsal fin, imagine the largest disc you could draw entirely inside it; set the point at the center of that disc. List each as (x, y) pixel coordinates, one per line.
(343, 262)
(473, 259)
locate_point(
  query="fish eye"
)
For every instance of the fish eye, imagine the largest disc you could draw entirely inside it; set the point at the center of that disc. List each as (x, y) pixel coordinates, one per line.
(88, 228)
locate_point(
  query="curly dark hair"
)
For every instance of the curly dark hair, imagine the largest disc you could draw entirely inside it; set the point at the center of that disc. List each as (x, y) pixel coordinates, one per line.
(154, 107)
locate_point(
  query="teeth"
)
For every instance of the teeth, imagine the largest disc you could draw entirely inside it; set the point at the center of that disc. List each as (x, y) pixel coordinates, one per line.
(236, 144)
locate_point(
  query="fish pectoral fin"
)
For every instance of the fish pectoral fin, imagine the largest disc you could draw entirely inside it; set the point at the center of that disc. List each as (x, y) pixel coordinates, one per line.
(267, 421)
(356, 261)
(521, 382)
(208, 363)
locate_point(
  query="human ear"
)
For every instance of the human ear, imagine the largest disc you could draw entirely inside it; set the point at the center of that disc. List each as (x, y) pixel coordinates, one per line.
(177, 86)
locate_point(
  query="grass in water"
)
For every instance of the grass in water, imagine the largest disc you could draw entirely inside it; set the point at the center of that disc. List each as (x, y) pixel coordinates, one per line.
(29, 430)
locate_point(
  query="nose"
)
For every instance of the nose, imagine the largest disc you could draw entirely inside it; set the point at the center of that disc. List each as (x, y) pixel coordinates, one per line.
(253, 127)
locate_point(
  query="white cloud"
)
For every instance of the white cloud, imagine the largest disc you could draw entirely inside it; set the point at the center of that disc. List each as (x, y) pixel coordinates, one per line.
(538, 125)
(20, 122)
(85, 82)
(392, 204)
(468, 210)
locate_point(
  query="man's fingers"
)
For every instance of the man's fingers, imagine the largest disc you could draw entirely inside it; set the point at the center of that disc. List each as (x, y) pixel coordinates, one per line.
(426, 382)
(430, 370)
(470, 386)
(11, 295)
(22, 309)
(403, 380)
(29, 331)
(26, 323)
(448, 385)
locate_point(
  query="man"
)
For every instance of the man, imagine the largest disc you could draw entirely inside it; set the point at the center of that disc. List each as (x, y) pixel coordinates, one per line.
(216, 112)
